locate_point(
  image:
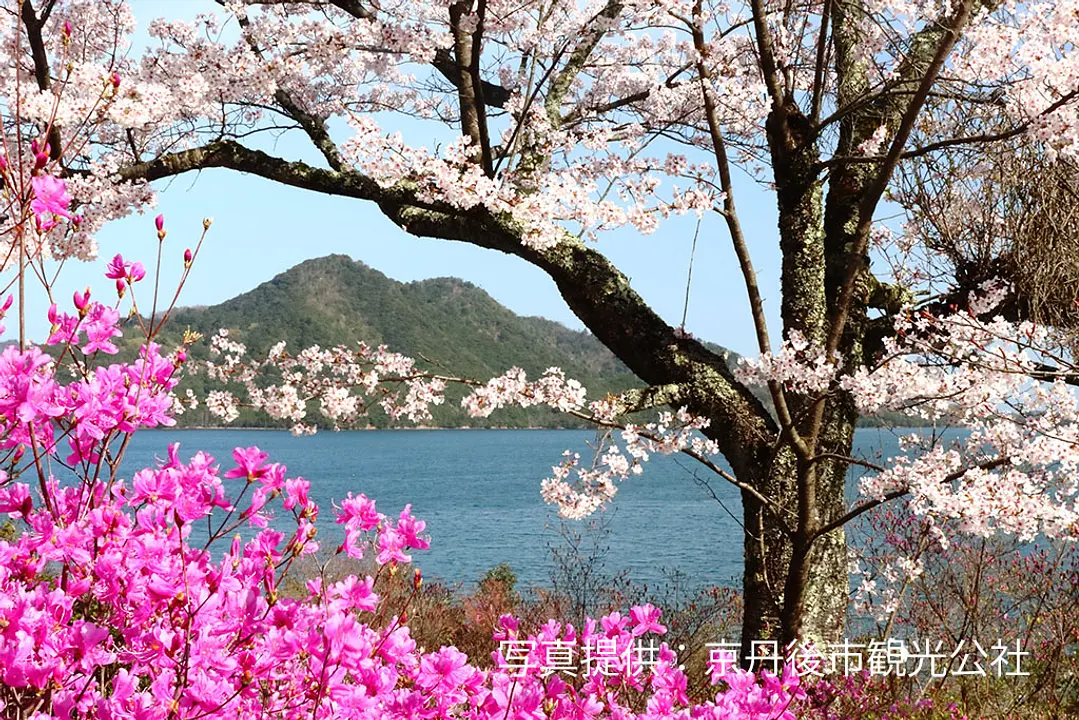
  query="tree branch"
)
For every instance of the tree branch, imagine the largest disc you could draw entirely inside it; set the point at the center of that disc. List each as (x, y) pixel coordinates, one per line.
(949, 36)
(40, 57)
(585, 45)
(888, 497)
(313, 125)
(766, 51)
(595, 290)
(653, 396)
(954, 141)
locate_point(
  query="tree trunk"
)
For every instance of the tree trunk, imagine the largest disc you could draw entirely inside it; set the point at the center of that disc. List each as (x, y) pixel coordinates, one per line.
(822, 616)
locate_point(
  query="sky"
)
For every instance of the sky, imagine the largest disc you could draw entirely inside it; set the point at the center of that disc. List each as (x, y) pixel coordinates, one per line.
(261, 229)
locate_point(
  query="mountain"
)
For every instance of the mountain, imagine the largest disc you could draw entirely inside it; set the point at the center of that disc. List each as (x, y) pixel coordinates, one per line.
(335, 300)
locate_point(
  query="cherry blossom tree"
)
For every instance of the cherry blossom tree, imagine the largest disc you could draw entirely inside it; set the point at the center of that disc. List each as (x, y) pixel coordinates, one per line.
(562, 120)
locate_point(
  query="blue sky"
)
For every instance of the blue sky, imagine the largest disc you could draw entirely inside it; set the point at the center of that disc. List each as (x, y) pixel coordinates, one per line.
(261, 229)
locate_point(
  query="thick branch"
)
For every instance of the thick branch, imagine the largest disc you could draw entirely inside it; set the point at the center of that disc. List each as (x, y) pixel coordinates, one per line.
(494, 95)
(596, 291)
(40, 57)
(466, 54)
(588, 41)
(766, 52)
(949, 36)
(734, 225)
(653, 396)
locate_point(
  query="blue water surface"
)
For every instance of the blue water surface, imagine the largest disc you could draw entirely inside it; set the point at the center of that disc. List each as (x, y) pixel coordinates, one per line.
(479, 493)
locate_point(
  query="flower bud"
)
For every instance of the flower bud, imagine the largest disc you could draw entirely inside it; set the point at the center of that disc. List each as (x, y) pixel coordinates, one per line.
(121, 288)
(207, 222)
(19, 451)
(188, 257)
(116, 79)
(3, 163)
(82, 300)
(40, 160)
(417, 580)
(67, 30)
(35, 146)
(159, 222)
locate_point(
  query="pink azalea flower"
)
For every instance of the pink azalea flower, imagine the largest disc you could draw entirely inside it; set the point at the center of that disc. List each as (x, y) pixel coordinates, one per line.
(248, 463)
(646, 619)
(361, 510)
(100, 327)
(391, 546)
(410, 528)
(117, 268)
(120, 270)
(50, 200)
(356, 593)
(443, 671)
(296, 490)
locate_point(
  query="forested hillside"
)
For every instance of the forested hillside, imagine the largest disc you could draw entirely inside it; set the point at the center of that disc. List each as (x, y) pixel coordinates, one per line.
(445, 321)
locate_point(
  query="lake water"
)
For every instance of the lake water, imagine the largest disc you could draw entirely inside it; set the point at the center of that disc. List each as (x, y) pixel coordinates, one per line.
(478, 491)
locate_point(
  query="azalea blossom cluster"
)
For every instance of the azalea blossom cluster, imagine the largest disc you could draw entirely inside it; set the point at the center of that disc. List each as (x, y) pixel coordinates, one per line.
(43, 226)
(39, 410)
(527, 661)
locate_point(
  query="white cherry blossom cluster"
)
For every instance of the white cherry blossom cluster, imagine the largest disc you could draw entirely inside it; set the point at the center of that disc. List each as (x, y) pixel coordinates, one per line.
(223, 404)
(546, 204)
(341, 382)
(1008, 384)
(799, 365)
(513, 389)
(580, 490)
(1016, 468)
